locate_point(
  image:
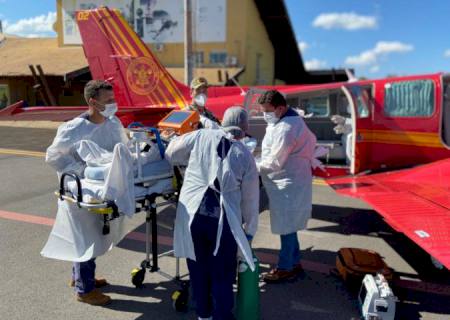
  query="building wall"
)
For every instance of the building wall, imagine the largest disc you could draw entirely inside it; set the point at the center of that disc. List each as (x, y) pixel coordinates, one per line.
(260, 55)
(21, 88)
(246, 40)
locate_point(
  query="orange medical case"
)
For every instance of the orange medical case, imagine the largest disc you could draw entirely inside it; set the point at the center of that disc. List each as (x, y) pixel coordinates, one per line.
(354, 263)
(180, 121)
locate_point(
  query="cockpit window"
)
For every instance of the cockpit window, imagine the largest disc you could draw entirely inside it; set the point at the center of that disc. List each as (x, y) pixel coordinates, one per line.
(318, 107)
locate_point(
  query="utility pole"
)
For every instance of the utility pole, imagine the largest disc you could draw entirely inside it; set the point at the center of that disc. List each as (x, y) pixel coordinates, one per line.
(188, 71)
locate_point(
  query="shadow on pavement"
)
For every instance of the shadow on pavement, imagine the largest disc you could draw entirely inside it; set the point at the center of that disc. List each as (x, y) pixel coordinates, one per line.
(369, 223)
(159, 307)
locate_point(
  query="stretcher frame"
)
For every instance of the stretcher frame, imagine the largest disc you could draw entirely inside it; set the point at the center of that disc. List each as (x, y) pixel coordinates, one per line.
(110, 212)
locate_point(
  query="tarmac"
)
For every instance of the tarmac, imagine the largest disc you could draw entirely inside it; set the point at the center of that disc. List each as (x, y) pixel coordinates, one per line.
(33, 287)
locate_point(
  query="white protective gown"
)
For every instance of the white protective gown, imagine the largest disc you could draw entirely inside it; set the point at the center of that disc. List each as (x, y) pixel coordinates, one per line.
(77, 234)
(238, 179)
(285, 168)
(208, 123)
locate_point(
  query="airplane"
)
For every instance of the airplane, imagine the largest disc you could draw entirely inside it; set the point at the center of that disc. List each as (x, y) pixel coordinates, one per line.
(400, 127)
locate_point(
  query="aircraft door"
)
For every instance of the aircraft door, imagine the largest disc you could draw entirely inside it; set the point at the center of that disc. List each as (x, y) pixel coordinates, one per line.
(358, 147)
(445, 125)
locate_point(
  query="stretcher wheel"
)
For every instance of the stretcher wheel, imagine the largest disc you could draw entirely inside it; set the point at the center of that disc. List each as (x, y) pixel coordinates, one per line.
(137, 277)
(180, 299)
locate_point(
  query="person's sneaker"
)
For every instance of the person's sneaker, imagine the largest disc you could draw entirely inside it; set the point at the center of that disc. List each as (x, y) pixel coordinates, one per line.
(95, 298)
(277, 275)
(99, 283)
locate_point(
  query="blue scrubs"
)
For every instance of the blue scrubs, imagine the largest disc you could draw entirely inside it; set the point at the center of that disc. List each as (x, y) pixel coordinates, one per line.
(212, 277)
(289, 255)
(84, 275)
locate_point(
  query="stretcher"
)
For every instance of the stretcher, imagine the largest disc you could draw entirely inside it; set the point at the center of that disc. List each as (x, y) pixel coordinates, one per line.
(151, 193)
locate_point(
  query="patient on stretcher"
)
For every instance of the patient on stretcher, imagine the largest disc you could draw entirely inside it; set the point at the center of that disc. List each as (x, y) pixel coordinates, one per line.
(114, 175)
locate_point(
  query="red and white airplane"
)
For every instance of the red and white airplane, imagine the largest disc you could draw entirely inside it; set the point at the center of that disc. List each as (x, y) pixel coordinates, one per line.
(399, 127)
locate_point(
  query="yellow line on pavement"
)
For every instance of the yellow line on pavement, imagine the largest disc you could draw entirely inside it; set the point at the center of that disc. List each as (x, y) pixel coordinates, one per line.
(22, 153)
(319, 182)
(316, 182)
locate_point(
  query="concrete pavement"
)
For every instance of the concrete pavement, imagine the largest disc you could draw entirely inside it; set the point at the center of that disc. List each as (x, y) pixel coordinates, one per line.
(32, 287)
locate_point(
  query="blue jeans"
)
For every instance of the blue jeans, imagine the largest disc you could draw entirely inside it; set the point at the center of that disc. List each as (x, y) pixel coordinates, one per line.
(212, 277)
(290, 251)
(84, 275)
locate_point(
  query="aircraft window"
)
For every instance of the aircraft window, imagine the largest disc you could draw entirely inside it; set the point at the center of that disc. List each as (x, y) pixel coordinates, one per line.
(343, 106)
(292, 102)
(409, 98)
(363, 102)
(317, 106)
(363, 97)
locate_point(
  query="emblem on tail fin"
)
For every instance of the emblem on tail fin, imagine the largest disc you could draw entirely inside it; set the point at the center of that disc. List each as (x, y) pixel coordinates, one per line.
(143, 75)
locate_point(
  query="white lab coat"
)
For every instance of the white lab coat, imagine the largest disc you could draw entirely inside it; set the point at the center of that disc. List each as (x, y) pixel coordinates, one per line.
(208, 123)
(285, 167)
(77, 234)
(239, 194)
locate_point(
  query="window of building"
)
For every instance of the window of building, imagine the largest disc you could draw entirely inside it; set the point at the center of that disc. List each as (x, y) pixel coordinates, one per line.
(4, 96)
(198, 57)
(409, 98)
(217, 57)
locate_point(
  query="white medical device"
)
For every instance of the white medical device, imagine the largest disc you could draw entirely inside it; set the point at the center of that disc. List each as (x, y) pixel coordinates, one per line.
(376, 299)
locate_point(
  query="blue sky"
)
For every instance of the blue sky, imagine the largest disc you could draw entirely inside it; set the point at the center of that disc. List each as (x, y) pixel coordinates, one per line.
(375, 37)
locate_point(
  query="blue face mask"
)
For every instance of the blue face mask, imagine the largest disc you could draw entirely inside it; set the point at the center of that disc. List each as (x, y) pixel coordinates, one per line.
(270, 117)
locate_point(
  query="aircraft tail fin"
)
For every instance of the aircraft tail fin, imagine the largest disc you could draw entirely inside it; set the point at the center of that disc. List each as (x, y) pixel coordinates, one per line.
(116, 53)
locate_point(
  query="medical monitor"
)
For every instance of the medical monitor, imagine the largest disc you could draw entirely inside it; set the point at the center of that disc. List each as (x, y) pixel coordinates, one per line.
(180, 121)
(177, 117)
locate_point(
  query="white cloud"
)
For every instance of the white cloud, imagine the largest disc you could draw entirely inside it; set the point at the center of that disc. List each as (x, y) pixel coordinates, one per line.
(382, 48)
(315, 64)
(303, 46)
(36, 26)
(447, 53)
(345, 20)
(374, 69)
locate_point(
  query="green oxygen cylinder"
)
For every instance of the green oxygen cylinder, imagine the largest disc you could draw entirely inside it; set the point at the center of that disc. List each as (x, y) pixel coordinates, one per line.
(248, 291)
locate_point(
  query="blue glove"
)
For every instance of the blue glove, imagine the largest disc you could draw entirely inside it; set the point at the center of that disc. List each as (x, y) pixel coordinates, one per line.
(249, 237)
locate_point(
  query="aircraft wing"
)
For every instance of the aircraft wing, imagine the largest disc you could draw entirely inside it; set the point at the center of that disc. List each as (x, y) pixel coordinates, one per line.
(413, 201)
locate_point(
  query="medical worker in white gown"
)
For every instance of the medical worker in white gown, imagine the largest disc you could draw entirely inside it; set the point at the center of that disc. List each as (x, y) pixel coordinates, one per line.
(218, 208)
(285, 168)
(77, 235)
